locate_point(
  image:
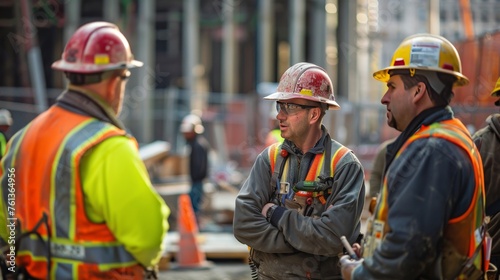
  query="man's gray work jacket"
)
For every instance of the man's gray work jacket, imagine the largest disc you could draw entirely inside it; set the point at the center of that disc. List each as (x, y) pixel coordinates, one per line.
(295, 246)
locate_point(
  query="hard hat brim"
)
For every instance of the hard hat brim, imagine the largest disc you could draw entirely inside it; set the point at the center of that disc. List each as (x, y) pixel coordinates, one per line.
(496, 90)
(62, 65)
(279, 96)
(383, 74)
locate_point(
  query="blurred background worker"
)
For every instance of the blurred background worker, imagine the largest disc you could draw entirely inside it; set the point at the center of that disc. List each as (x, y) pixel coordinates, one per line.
(80, 185)
(378, 167)
(377, 175)
(302, 194)
(5, 123)
(274, 135)
(487, 140)
(428, 221)
(192, 128)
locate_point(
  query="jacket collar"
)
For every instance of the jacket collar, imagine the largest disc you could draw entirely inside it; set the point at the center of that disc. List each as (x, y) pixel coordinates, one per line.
(494, 122)
(88, 103)
(426, 117)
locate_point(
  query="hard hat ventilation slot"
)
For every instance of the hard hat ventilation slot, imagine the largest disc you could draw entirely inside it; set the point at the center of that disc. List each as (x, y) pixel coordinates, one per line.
(84, 79)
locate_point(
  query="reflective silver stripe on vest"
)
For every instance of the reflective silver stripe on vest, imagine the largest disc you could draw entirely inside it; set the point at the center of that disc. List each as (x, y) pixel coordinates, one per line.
(64, 271)
(64, 197)
(64, 176)
(87, 253)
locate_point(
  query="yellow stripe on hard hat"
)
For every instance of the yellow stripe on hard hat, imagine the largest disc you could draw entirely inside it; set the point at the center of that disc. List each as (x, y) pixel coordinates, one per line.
(307, 92)
(101, 59)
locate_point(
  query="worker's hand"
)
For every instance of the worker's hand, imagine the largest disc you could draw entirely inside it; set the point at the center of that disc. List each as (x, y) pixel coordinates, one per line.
(347, 265)
(265, 208)
(357, 249)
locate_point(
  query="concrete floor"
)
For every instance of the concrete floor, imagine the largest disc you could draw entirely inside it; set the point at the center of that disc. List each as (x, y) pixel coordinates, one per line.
(220, 270)
(223, 251)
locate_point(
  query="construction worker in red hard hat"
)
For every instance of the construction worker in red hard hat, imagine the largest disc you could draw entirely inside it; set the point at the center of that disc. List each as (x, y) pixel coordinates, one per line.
(317, 187)
(487, 140)
(80, 203)
(428, 222)
(5, 123)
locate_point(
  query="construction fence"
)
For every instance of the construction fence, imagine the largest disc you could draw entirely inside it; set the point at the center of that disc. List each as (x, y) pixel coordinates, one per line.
(236, 124)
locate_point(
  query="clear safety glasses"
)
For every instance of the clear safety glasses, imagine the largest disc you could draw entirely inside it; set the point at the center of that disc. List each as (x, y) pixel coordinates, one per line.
(291, 108)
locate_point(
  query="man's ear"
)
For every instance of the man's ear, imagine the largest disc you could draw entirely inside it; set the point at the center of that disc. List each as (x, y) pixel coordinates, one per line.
(420, 91)
(315, 114)
(111, 84)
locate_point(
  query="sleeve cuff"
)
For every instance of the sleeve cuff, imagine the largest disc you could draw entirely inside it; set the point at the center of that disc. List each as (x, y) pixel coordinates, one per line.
(278, 212)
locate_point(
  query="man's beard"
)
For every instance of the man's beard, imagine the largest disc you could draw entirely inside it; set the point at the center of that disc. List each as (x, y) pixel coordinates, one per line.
(392, 123)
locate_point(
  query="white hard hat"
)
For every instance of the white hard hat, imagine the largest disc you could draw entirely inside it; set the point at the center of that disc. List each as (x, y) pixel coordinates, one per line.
(305, 81)
(5, 117)
(192, 123)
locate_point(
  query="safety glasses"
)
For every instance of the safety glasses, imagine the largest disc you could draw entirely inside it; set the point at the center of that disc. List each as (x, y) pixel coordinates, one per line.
(291, 108)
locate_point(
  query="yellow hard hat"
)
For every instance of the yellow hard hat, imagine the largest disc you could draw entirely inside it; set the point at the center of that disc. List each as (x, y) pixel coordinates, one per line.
(426, 52)
(496, 90)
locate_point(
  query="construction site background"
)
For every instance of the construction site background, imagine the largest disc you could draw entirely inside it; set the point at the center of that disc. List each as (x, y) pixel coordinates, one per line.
(236, 125)
(233, 59)
(221, 57)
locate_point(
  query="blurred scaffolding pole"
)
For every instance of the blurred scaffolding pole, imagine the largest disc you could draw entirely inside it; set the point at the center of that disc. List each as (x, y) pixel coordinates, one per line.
(111, 11)
(434, 20)
(145, 86)
(265, 42)
(346, 66)
(72, 10)
(317, 50)
(35, 65)
(297, 25)
(190, 40)
(229, 74)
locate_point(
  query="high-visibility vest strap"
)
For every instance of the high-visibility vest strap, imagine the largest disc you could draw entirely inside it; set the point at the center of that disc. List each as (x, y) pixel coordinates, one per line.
(460, 231)
(92, 253)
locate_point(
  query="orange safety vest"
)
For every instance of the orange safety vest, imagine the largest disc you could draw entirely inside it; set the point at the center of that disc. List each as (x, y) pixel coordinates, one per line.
(315, 169)
(45, 157)
(460, 231)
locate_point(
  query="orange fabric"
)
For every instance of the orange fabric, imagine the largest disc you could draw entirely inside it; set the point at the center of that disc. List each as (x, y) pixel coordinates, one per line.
(37, 269)
(92, 272)
(273, 152)
(42, 141)
(339, 154)
(460, 230)
(311, 175)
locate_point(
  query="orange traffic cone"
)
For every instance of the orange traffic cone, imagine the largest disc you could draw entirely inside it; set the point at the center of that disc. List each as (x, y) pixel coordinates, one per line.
(189, 255)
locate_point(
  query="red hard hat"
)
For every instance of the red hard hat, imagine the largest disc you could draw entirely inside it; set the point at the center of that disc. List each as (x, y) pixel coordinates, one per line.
(306, 81)
(96, 47)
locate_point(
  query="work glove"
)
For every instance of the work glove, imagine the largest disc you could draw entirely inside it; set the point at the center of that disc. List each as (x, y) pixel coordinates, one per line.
(347, 266)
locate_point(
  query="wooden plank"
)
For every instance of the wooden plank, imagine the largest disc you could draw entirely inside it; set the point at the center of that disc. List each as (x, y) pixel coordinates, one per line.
(214, 245)
(152, 153)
